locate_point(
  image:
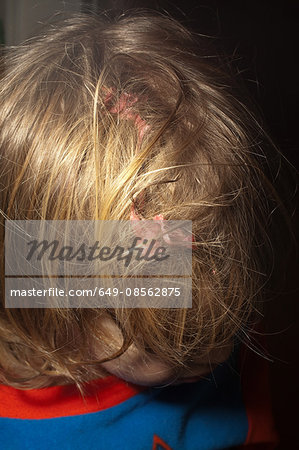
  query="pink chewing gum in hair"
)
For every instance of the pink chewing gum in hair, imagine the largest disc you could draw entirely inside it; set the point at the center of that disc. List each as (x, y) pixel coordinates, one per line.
(123, 107)
(152, 231)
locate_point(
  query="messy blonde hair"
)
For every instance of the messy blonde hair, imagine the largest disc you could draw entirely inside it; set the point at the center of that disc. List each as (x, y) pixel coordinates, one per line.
(66, 155)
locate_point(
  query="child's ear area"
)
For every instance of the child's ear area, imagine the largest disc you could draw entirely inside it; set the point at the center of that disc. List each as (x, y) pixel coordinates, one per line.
(147, 369)
(133, 365)
(137, 368)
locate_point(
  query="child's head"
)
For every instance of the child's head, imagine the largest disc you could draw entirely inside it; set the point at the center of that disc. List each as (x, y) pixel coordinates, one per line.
(94, 116)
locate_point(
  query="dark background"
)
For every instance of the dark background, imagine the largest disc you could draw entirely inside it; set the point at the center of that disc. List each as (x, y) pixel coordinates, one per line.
(262, 39)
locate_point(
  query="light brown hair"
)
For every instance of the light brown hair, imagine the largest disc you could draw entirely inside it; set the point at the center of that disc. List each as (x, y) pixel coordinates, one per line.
(65, 155)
